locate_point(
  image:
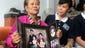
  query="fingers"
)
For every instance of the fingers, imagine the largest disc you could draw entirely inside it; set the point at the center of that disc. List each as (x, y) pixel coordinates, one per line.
(1, 46)
(16, 41)
(15, 37)
(67, 47)
(15, 34)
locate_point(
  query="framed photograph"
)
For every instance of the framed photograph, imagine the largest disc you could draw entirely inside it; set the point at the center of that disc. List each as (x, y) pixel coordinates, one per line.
(54, 41)
(34, 36)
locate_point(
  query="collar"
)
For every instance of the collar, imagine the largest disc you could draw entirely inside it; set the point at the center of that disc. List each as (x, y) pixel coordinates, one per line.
(63, 20)
(83, 15)
(32, 22)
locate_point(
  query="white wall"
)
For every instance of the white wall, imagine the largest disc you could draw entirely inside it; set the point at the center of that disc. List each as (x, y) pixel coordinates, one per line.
(5, 5)
(48, 8)
(43, 8)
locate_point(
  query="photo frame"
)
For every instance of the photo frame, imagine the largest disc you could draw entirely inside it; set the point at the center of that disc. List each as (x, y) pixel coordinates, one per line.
(34, 36)
(53, 40)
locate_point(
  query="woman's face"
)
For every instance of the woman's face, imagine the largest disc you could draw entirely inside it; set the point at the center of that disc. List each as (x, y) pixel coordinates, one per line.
(40, 36)
(52, 30)
(62, 9)
(33, 7)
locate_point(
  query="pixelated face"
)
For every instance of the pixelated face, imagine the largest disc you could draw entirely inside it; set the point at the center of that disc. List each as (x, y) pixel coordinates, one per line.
(52, 31)
(40, 36)
(33, 7)
(62, 9)
(31, 32)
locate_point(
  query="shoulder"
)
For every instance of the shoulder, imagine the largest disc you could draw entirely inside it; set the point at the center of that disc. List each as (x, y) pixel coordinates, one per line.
(43, 23)
(50, 16)
(50, 19)
(23, 18)
(69, 20)
(78, 18)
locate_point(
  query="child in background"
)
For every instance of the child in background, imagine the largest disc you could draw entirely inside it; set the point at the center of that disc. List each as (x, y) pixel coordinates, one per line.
(79, 26)
(65, 26)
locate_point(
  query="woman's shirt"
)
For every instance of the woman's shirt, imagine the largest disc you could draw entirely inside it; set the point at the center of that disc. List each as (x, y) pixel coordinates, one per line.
(79, 26)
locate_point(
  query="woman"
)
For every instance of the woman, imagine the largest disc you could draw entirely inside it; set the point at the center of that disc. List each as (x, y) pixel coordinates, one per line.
(32, 7)
(79, 26)
(64, 24)
(41, 41)
(73, 12)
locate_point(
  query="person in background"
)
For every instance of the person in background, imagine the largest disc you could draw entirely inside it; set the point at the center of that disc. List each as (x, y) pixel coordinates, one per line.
(32, 7)
(78, 7)
(30, 41)
(41, 41)
(79, 26)
(64, 24)
(34, 42)
(52, 31)
(73, 11)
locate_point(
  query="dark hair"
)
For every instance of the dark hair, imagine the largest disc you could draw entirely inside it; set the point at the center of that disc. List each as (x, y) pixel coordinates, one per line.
(52, 27)
(40, 34)
(80, 5)
(26, 2)
(31, 30)
(74, 6)
(66, 1)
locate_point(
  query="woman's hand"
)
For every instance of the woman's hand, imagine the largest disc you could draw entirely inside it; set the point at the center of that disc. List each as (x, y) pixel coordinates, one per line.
(69, 43)
(59, 33)
(67, 46)
(15, 37)
(1, 46)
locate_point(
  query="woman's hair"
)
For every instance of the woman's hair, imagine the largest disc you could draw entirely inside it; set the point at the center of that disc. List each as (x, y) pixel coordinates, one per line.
(31, 30)
(41, 38)
(80, 6)
(40, 34)
(74, 6)
(26, 2)
(66, 1)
